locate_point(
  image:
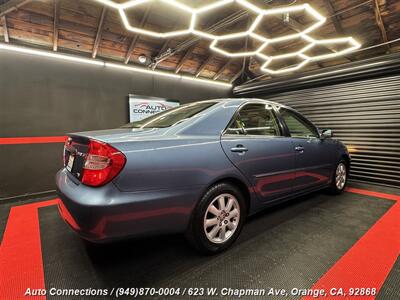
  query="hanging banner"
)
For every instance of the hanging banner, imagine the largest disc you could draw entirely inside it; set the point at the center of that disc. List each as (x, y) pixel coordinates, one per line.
(141, 107)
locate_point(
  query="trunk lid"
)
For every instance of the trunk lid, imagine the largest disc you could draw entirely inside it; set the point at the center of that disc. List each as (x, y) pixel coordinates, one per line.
(77, 145)
(122, 134)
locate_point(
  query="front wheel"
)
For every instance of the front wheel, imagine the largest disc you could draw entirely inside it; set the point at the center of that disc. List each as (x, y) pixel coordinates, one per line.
(340, 177)
(218, 219)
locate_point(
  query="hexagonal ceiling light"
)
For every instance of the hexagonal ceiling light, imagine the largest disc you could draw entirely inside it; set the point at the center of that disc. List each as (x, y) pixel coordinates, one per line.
(216, 47)
(352, 45)
(214, 9)
(262, 14)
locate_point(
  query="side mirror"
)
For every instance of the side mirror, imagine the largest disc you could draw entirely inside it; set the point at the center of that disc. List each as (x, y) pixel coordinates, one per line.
(326, 133)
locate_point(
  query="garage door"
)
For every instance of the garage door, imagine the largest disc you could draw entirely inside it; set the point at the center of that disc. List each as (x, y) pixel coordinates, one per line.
(365, 115)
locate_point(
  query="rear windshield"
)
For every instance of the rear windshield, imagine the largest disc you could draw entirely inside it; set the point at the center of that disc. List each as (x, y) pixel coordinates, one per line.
(171, 117)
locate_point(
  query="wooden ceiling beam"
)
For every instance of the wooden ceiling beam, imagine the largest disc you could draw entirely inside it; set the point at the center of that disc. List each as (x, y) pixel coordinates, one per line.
(379, 22)
(12, 5)
(5, 29)
(164, 51)
(55, 24)
(184, 58)
(334, 18)
(161, 52)
(204, 65)
(164, 47)
(236, 76)
(222, 69)
(99, 32)
(135, 38)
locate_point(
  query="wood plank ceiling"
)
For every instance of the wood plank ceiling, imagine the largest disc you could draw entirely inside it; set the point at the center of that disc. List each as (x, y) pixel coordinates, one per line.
(87, 28)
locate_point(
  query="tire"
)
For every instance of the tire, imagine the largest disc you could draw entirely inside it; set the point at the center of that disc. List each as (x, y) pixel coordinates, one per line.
(207, 222)
(341, 172)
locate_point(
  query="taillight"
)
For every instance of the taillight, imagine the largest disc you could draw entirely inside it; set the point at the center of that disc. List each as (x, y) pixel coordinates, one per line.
(102, 164)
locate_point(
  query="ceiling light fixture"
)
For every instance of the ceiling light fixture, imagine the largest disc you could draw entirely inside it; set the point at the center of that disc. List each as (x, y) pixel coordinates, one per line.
(177, 5)
(354, 45)
(144, 60)
(305, 61)
(264, 41)
(194, 13)
(102, 63)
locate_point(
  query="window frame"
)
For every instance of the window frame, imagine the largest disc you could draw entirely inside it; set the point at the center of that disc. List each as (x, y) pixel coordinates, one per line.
(301, 117)
(282, 131)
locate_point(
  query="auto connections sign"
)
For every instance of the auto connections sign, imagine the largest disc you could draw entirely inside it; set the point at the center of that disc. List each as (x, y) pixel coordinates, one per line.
(141, 107)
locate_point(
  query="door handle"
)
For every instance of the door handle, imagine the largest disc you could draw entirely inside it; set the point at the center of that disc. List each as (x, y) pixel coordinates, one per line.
(239, 149)
(299, 149)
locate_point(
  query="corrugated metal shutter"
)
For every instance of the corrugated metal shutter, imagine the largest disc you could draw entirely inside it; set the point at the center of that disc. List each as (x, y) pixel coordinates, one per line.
(365, 115)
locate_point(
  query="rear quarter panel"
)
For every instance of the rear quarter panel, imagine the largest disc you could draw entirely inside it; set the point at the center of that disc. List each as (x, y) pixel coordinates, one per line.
(174, 163)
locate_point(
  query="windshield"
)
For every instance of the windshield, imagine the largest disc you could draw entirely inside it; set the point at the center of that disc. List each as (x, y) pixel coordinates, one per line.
(171, 117)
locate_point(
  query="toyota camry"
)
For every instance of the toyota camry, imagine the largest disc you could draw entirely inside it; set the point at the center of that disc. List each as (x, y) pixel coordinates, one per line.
(198, 169)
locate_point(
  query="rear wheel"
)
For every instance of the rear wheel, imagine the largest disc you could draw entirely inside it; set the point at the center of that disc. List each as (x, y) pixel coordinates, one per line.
(339, 179)
(218, 219)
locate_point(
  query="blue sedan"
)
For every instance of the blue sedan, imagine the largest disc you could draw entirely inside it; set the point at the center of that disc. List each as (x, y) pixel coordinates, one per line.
(200, 168)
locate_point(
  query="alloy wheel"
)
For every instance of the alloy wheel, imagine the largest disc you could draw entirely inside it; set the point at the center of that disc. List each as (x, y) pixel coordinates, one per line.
(341, 176)
(221, 218)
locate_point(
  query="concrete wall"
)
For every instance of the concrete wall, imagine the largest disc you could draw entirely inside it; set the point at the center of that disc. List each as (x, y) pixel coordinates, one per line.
(48, 97)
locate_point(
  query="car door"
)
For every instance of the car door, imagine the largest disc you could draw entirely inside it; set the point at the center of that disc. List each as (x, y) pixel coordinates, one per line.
(313, 165)
(255, 144)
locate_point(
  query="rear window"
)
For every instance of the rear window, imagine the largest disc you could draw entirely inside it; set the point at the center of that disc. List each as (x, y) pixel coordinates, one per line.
(171, 117)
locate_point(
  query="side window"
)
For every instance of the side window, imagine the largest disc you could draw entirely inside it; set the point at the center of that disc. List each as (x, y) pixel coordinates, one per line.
(297, 126)
(255, 119)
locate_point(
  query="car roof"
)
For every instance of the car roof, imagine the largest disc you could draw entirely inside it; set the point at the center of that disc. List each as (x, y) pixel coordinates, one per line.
(243, 100)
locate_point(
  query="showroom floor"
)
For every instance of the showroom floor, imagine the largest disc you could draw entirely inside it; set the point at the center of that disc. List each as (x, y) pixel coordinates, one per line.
(295, 245)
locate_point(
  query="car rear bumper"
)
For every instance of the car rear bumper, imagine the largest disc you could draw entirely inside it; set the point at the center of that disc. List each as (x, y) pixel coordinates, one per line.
(105, 213)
